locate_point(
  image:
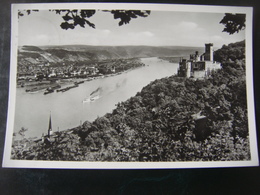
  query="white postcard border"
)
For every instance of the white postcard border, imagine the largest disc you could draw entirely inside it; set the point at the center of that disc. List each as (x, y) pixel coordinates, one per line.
(8, 163)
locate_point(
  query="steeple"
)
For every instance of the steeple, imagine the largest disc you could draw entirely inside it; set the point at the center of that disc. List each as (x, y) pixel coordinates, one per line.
(50, 127)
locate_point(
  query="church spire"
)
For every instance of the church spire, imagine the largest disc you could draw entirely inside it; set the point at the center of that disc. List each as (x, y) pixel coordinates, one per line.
(50, 127)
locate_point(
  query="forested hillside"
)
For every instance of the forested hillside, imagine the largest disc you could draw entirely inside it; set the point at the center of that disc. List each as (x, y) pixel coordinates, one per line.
(161, 122)
(70, 54)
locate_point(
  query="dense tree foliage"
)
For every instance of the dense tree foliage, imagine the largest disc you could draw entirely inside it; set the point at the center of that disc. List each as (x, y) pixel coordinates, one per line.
(233, 22)
(158, 124)
(231, 53)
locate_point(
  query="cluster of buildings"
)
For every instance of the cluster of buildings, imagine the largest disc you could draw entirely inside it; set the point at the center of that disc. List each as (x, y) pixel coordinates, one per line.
(199, 66)
(58, 72)
(40, 71)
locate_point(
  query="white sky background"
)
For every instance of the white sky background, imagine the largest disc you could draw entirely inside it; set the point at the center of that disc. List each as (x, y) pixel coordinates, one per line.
(160, 28)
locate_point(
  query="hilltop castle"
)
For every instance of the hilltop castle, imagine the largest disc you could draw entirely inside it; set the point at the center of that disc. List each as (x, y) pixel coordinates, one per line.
(199, 66)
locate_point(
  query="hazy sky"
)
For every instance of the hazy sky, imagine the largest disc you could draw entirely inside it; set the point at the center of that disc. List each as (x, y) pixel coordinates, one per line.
(160, 28)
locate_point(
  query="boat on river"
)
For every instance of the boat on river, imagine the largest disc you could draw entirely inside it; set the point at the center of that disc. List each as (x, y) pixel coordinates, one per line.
(51, 89)
(67, 88)
(91, 99)
(32, 90)
(78, 82)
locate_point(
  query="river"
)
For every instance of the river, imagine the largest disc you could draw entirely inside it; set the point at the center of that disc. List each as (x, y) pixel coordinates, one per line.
(32, 110)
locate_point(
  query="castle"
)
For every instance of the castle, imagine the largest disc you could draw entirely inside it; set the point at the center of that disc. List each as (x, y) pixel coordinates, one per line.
(199, 66)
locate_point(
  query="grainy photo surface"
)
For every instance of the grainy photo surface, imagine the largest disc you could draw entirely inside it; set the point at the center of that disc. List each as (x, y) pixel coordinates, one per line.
(130, 86)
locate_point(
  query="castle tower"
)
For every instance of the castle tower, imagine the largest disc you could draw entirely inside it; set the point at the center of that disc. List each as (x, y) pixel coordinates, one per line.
(50, 128)
(197, 56)
(208, 52)
(43, 138)
(188, 73)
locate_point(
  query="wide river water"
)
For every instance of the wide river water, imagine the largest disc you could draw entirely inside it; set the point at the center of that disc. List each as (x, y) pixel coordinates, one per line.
(32, 110)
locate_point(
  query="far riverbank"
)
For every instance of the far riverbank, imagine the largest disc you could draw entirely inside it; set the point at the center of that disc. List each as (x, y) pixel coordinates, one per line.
(67, 109)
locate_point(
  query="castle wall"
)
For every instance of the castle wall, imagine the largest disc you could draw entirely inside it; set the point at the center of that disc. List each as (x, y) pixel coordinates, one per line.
(199, 74)
(212, 66)
(197, 66)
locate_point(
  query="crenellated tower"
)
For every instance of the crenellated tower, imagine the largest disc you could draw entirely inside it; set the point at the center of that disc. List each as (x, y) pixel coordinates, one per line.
(208, 56)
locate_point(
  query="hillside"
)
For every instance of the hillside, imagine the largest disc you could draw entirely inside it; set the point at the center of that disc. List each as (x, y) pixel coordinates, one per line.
(171, 119)
(32, 55)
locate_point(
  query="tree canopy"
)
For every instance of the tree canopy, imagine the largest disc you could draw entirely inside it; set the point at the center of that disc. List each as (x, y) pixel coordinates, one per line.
(73, 18)
(233, 22)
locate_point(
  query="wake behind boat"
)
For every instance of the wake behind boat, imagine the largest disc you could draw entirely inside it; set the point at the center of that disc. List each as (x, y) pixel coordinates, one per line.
(95, 91)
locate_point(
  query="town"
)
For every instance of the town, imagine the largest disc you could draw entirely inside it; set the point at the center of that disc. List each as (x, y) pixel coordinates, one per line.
(48, 77)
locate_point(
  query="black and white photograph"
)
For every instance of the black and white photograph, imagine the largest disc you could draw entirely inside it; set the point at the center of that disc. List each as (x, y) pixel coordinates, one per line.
(130, 86)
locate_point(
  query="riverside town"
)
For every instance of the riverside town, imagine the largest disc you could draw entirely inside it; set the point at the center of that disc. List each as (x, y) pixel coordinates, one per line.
(49, 77)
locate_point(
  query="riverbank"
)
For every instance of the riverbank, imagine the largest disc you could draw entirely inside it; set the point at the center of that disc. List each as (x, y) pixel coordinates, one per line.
(32, 111)
(46, 86)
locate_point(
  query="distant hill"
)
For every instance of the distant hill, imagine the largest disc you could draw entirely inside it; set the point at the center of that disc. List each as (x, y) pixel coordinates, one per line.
(29, 55)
